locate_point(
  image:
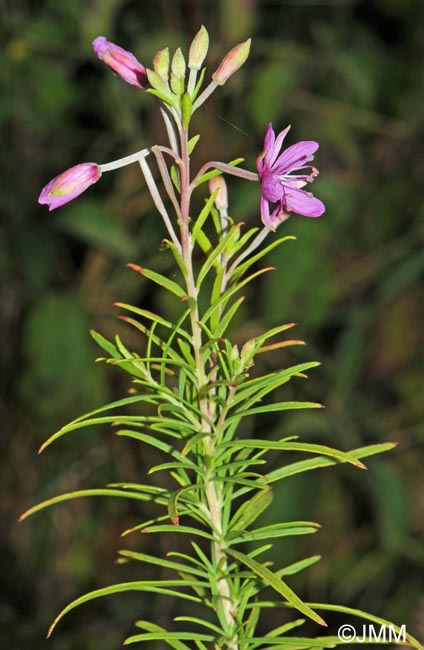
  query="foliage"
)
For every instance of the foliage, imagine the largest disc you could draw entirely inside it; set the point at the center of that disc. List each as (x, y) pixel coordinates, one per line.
(341, 281)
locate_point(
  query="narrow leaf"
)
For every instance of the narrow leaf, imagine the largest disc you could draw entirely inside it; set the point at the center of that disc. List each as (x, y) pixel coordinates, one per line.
(278, 585)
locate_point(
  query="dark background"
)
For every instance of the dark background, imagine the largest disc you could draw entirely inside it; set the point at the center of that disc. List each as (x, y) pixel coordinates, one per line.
(347, 73)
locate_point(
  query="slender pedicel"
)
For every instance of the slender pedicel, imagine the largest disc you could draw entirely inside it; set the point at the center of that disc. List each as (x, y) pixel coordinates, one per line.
(169, 187)
(123, 162)
(150, 181)
(228, 169)
(170, 131)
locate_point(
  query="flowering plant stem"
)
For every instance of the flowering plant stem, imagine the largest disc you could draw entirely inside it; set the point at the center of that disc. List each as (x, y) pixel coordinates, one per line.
(213, 489)
(192, 388)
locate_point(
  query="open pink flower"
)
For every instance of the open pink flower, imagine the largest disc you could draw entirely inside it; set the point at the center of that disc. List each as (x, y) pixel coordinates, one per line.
(69, 185)
(121, 61)
(279, 185)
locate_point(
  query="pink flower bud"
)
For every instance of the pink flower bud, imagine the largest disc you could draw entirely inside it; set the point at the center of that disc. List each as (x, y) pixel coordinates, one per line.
(121, 61)
(231, 62)
(69, 185)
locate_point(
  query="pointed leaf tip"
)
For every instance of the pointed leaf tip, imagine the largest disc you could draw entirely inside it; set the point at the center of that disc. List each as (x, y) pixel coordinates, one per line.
(135, 267)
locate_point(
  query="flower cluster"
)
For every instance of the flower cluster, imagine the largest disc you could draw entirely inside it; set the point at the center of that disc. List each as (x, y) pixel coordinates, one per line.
(279, 185)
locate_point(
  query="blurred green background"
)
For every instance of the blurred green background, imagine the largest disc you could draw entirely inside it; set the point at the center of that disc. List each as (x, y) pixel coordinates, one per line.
(347, 73)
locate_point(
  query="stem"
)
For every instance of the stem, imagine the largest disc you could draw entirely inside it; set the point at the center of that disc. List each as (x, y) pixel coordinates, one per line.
(223, 167)
(213, 490)
(205, 94)
(150, 181)
(123, 162)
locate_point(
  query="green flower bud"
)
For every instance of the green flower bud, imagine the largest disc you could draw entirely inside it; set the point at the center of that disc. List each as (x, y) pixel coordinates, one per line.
(178, 65)
(161, 63)
(157, 82)
(198, 49)
(177, 85)
(231, 62)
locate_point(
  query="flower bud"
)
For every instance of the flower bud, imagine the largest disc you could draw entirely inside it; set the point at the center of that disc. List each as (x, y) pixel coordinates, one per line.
(231, 62)
(198, 49)
(157, 82)
(122, 62)
(69, 185)
(178, 65)
(221, 199)
(161, 63)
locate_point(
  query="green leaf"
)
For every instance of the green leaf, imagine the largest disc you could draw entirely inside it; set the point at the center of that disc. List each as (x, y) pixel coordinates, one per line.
(159, 279)
(297, 567)
(105, 344)
(151, 627)
(368, 617)
(319, 461)
(250, 510)
(230, 292)
(226, 319)
(152, 441)
(149, 315)
(192, 143)
(269, 408)
(277, 584)
(271, 381)
(199, 621)
(173, 501)
(277, 530)
(102, 492)
(175, 176)
(197, 227)
(169, 636)
(152, 586)
(173, 528)
(87, 419)
(170, 100)
(296, 446)
(160, 561)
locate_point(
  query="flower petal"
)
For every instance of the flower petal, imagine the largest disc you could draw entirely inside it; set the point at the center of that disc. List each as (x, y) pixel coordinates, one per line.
(303, 203)
(277, 145)
(272, 187)
(69, 185)
(295, 156)
(121, 61)
(269, 139)
(265, 216)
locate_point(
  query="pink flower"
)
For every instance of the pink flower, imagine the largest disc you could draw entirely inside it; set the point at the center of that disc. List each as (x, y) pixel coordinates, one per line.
(279, 185)
(122, 62)
(69, 185)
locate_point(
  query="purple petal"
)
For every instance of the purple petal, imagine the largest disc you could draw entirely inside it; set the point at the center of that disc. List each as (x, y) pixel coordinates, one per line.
(269, 139)
(265, 216)
(121, 61)
(268, 144)
(69, 185)
(277, 145)
(295, 156)
(303, 203)
(272, 187)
